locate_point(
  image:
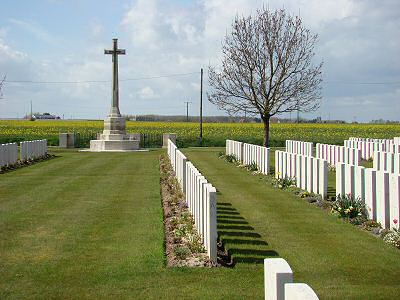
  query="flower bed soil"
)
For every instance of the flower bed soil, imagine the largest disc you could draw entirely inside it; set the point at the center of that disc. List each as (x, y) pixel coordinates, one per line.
(183, 246)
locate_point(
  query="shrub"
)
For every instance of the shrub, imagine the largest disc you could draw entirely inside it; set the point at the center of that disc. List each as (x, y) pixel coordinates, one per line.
(174, 221)
(186, 217)
(346, 206)
(230, 158)
(359, 220)
(371, 224)
(193, 241)
(183, 229)
(324, 204)
(285, 182)
(305, 194)
(393, 237)
(181, 251)
(252, 167)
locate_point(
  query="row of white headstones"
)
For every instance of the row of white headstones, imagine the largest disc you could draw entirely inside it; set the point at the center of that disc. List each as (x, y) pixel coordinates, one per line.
(377, 187)
(307, 172)
(248, 154)
(200, 198)
(278, 276)
(28, 150)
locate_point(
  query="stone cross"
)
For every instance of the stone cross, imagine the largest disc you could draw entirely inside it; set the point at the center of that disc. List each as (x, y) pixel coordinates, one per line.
(115, 98)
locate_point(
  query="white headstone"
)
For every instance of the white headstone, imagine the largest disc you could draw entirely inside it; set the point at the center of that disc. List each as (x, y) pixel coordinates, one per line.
(299, 291)
(382, 198)
(277, 273)
(370, 193)
(394, 198)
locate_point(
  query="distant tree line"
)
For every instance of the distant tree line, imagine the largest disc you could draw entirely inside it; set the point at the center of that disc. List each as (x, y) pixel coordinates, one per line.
(225, 119)
(182, 118)
(382, 121)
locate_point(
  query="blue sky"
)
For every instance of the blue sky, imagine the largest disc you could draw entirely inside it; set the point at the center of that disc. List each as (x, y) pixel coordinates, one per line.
(58, 40)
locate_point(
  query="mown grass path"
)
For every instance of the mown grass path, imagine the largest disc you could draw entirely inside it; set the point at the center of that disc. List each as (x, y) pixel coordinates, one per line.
(90, 226)
(337, 259)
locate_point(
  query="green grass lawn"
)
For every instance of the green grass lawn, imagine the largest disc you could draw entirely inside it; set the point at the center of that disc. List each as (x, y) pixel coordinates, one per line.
(338, 260)
(90, 226)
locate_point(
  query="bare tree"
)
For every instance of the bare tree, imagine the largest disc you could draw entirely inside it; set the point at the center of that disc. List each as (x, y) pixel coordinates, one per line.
(1, 85)
(267, 68)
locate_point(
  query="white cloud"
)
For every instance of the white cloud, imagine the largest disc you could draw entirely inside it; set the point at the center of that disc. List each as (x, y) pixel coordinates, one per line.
(358, 43)
(142, 20)
(147, 93)
(3, 32)
(36, 30)
(7, 53)
(96, 29)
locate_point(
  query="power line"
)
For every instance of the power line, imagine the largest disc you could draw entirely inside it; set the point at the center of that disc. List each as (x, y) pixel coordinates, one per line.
(98, 81)
(176, 75)
(57, 82)
(161, 76)
(362, 83)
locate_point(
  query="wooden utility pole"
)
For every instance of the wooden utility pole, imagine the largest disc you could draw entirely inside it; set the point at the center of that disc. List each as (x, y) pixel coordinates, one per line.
(201, 106)
(31, 118)
(187, 110)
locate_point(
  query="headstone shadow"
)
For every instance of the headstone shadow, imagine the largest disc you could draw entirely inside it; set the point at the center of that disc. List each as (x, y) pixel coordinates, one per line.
(238, 240)
(331, 192)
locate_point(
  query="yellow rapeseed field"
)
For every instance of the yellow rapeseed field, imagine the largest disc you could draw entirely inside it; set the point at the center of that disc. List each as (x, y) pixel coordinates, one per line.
(214, 133)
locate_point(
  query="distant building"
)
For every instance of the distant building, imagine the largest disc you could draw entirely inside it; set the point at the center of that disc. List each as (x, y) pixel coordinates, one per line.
(45, 116)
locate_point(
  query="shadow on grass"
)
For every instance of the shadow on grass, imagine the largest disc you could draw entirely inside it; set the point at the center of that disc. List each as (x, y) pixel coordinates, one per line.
(227, 221)
(240, 234)
(331, 192)
(244, 242)
(225, 212)
(234, 227)
(238, 240)
(272, 170)
(21, 164)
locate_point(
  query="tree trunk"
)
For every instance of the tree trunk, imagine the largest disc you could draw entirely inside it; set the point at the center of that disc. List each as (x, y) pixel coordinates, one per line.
(266, 130)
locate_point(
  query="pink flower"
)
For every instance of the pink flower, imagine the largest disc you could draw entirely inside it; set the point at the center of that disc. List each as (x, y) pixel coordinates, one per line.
(395, 221)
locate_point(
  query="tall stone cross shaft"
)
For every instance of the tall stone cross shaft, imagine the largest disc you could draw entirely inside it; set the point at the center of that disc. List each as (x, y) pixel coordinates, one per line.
(115, 96)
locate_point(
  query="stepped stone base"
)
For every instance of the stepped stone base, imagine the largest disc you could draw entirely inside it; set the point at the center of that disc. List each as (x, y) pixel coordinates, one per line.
(113, 145)
(114, 137)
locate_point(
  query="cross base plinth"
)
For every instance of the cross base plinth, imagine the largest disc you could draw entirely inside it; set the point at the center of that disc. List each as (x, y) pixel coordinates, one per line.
(114, 125)
(114, 137)
(114, 112)
(113, 146)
